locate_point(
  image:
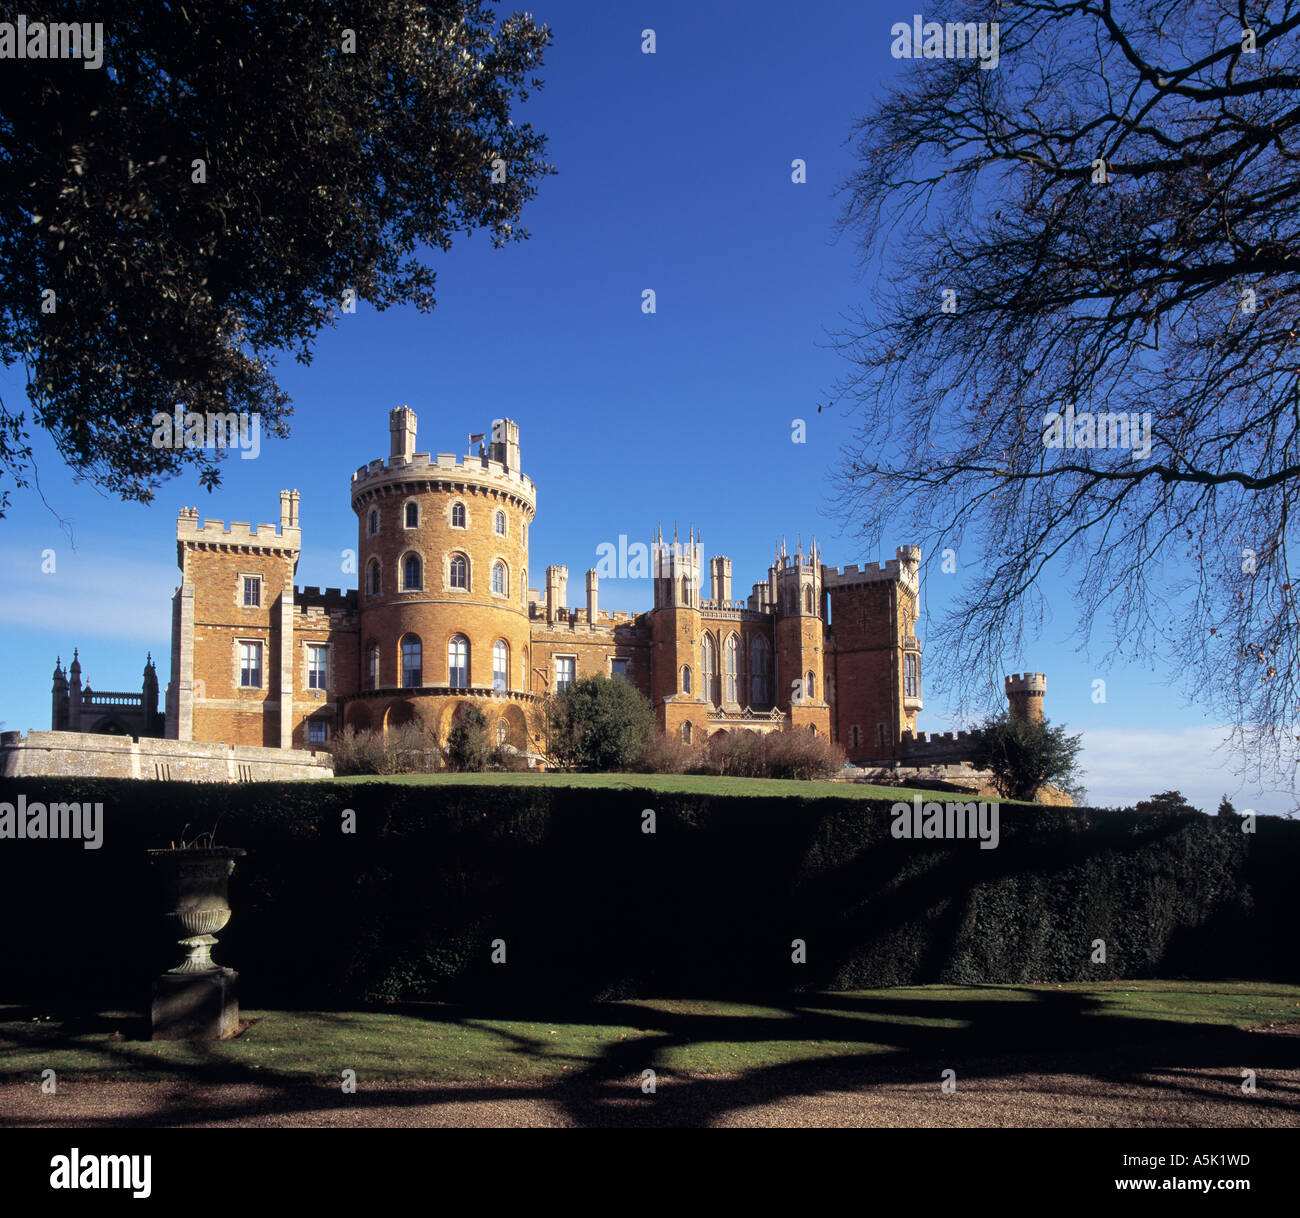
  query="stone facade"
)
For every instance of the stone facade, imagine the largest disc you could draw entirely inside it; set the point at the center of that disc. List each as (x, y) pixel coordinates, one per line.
(95, 755)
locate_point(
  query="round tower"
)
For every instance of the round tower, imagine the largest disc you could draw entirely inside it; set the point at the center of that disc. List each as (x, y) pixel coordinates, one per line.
(1025, 695)
(443, 568)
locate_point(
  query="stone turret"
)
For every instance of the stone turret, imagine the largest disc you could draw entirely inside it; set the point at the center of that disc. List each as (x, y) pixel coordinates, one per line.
(1025, 695)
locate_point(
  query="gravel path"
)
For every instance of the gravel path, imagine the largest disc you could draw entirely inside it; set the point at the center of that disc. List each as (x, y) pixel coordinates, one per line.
(1060, 1090)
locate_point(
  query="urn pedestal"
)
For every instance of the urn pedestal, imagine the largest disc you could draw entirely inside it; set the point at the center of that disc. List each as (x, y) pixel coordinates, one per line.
(198, 999)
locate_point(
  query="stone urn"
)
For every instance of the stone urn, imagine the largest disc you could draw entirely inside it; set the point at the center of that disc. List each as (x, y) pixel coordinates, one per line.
(196, 1000)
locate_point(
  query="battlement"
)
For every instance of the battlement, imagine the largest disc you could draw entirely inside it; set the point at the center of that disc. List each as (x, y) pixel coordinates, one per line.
(445, 466)
(312, 597)
(189, 530)
(1029, 683)
(902, 569)
(949, 748)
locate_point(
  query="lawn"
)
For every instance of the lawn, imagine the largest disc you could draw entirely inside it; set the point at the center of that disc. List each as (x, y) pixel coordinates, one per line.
(692, 784)
(438, 1043)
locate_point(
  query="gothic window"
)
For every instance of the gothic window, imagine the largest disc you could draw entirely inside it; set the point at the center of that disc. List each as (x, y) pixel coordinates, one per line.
(374, 521)
(686, 679)
(372, 577)
(760, 661)
(459, 571)
(810, 686)
(500, 666)
(412, 668)
(457, 515)
(411, 516)
(686, 732)
(458, 662)
(500, 584)
(710, 690)
(501, 524)
(372, 665)
(730, 658)
(807, 600)
(411, 581)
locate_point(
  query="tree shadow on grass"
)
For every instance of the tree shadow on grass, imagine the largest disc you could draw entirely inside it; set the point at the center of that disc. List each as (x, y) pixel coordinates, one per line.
(904, 1039)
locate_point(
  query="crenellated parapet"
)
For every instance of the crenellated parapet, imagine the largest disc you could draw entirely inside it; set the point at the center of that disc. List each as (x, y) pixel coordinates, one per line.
(905, 570)
(422, 472)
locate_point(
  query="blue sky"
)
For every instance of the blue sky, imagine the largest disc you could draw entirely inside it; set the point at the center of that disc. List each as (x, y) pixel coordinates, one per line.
(674, 175)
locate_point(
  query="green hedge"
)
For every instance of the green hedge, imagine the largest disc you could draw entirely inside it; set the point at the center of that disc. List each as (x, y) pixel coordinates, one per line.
(590, 906)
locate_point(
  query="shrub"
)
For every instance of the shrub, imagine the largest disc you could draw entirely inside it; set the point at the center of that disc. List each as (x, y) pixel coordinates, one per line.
(667, 753)
(411, 748)
(794, 754)
(468, 749)
(597, 723)
(1022, 755)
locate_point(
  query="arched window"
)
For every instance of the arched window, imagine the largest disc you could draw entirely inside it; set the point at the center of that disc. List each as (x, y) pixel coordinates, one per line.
(412, 515)
(372, 577)
(458, 662)
(411, 581)
(686, 678)
(374, 521)
(810, 686)
(730, 663)
(372, 665)
(500, 584)
(710, 690)
(457, 515)
(412, 667)
(501, 524)
(687, 732)
(500, 666)
(760, 661)
(807, 600)
(459, 571)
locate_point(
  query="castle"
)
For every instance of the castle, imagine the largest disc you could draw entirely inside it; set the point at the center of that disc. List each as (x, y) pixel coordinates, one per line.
(445, 618)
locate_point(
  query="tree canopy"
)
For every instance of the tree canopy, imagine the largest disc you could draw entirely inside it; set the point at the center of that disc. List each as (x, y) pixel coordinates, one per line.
(1082, 349)
(227, 183)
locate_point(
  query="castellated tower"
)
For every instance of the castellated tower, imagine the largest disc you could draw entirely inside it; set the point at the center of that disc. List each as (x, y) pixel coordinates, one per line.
(677, 681)
(443, 568)
(800, 675)
(1025, 695)
(873, 655)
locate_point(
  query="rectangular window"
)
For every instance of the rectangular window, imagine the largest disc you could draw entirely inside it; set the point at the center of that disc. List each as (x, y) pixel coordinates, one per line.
(618, 670)
(250, 665)
(318, 667)
(856, 736)
(317, 731)
(911, 681)
(252, 591)
(564, 672)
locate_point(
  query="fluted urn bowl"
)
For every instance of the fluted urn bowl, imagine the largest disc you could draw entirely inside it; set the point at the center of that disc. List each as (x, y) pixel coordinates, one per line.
(197, 883)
